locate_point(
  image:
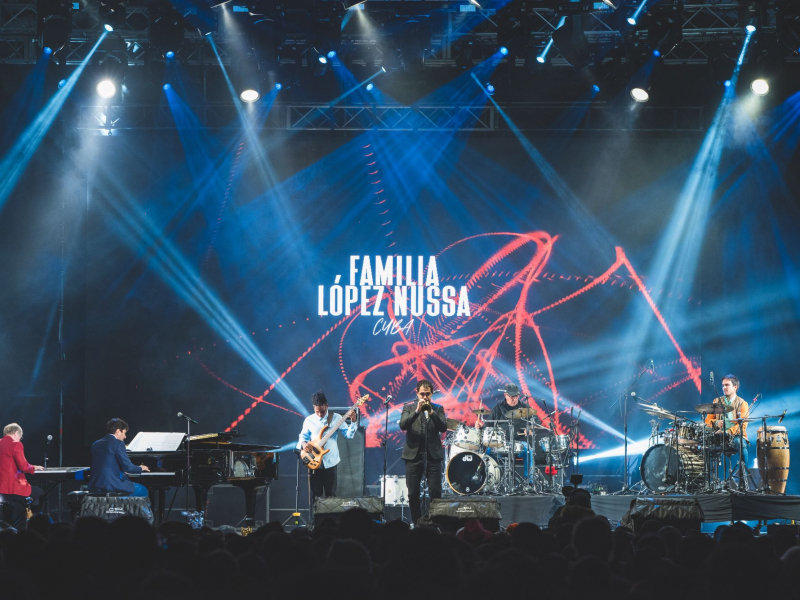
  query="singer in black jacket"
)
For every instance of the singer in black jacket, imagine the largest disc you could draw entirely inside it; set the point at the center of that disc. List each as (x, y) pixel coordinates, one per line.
(423, 422)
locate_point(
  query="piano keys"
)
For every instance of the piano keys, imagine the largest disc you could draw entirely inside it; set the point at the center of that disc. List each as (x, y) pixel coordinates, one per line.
(50, 477)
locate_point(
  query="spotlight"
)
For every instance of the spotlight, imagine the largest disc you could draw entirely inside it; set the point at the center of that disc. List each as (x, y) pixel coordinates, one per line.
(540, 59)
(370, 87)
(631, 21)
(62, 83)
(490, 89)
(656, 53)
(750, 28)
(111, 14)
(249, 96)
(595, 88)
(383, 69)
(53, 25)
(167, 86)
(278, 86)
(170, 54)
(640, 95)
(108, 27)
(322, 59)
(354, 4)
(503, 50)
(760, 87)
(727, 83)
(106, 89)
(331, 53)
(47, 50)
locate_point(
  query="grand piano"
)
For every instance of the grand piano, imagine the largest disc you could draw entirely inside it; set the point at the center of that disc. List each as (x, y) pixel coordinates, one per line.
(209, 460)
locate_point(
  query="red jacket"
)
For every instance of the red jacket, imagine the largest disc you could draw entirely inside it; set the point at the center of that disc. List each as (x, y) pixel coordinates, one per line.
(13, 467)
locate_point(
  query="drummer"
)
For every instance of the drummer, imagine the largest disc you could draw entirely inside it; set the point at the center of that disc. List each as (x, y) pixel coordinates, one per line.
(739, 410)
(511, 401)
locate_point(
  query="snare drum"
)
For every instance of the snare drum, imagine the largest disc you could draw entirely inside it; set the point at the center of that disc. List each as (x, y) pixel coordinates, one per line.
(470, 473)
(396, 491)
(467, 438)
(494, 437)
(773, 455)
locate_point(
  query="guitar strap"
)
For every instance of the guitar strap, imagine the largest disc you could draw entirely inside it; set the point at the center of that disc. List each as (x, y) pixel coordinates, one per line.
(330, 418)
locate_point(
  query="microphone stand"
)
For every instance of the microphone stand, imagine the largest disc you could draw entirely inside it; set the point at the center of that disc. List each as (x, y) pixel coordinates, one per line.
(624, 398)
(385, 448)
(424, 457)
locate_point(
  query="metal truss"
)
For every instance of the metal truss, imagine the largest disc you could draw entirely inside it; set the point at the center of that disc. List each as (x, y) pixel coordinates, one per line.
(534, 117)
(704, 25)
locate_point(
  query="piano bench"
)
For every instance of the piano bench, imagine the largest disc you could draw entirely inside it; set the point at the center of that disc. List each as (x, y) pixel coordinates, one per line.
(112, 506)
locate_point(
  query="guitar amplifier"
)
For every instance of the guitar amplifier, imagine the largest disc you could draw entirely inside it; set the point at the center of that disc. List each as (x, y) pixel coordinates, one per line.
(333, 508)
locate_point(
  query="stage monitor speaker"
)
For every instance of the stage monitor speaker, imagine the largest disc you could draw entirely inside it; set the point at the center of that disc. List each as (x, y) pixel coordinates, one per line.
(685, 514)
(452, 514)
(225, 505)
(350, 470)
(334, 507)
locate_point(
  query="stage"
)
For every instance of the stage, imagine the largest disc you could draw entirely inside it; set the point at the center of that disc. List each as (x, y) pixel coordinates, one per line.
(717, 508)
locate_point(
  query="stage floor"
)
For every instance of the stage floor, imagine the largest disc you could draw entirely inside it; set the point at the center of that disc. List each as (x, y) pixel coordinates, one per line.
(722, 507)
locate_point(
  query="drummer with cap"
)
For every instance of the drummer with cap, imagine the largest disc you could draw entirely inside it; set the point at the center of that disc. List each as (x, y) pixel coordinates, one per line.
(511, 402)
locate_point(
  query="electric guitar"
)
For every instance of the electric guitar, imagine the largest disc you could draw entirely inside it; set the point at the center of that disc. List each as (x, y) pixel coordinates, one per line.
(313, 459)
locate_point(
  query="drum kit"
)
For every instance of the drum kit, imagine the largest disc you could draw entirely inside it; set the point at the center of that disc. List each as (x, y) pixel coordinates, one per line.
(481, 460)
(695, 458)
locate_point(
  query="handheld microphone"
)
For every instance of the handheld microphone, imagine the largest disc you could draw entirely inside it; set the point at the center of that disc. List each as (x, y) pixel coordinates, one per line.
(190, 419)
(711, 376)
(49, 439)
(782, 416)
(652, 366)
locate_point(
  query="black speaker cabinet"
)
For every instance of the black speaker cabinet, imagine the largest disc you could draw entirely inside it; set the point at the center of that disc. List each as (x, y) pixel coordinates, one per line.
(333, 508)
(683, 513)
(452, 514)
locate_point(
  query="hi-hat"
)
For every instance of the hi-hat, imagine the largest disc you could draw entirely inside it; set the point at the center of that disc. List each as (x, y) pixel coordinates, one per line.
(713, 408)
(521, 413)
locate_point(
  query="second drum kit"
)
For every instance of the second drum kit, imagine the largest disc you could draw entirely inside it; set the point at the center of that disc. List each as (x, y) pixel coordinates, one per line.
(481, 460)
(694, 458)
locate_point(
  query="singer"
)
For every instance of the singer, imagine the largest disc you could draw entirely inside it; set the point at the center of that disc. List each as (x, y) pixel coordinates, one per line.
(14, 488)
(741, 410)
(423, 448)
(110, 462)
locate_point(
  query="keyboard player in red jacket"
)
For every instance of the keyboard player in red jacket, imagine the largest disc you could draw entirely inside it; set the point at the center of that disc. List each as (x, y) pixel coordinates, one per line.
(14, 488)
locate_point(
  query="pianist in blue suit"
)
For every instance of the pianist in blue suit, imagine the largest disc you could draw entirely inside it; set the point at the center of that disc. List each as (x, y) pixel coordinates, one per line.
(110, 462)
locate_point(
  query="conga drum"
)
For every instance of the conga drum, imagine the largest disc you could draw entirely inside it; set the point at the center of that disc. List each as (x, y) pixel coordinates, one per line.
(773, 457)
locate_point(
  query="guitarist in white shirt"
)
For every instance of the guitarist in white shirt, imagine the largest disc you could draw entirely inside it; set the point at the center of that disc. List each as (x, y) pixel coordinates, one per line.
(323, 479)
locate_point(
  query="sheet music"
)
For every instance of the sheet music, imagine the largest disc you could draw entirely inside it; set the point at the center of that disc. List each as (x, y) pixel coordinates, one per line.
(156, 441)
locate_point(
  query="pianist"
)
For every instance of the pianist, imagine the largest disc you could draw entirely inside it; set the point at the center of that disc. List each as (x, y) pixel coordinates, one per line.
(323, 479)
(14, 488)
(110, 462)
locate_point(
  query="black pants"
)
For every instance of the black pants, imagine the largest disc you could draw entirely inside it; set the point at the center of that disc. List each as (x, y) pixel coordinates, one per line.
(13, 510)
(414, 470)
(323, 482)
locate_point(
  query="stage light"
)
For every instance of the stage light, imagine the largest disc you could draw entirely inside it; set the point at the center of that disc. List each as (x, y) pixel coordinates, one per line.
(47, 50)
(490, 89)
(106, 89)
(540, 59)
(249, 96)
(656, 53)
(322, 59)
(503, 50)
(62, 83)
(370, 87)
(170, 54)
(750, 28)
(54, 25)
(278, 86)
(760, 87)
(108, 27)
(353, 4)
(727, 83)
(111, 14)
(631, 21)
(595, 88)
(640, 95)
(543, 56)
(331, 53)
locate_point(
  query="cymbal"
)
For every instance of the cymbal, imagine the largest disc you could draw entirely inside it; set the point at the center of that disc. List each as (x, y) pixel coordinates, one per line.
(520, 413)
(713, 408)
(453, 424)
(481, 411)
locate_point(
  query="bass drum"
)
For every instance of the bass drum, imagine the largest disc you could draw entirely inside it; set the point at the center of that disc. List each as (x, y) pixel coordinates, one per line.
(470, 473)
(681, 462)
